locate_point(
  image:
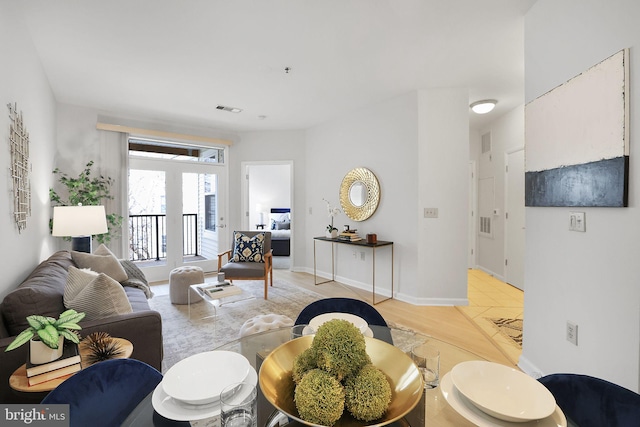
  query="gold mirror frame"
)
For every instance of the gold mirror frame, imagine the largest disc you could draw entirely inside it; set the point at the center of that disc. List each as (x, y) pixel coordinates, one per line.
(365, 176)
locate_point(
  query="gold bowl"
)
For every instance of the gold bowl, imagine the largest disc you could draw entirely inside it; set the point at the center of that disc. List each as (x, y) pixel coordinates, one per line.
(406, 383)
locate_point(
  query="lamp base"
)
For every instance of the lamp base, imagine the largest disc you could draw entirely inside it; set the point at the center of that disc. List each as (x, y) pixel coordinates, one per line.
(81, 244)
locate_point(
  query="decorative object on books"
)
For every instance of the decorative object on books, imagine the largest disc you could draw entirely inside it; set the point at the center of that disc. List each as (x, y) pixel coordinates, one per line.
(49, 331)
(332, 232)
(359, 194)
(101, 346)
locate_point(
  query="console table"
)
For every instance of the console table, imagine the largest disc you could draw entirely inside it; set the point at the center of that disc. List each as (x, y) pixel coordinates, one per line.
(359, 243)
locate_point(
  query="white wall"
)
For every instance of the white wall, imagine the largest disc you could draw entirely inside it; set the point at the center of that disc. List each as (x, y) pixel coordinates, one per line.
(270, 187)
(589, 278)
(507, 133)
(417, 146)
(22, 80)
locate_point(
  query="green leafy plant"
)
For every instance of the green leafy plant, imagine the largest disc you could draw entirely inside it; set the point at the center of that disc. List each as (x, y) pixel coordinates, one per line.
(49, 329)
(87, 190)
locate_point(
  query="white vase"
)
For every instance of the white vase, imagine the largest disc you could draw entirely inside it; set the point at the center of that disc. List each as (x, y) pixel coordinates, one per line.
(40, 353)
(332, 234)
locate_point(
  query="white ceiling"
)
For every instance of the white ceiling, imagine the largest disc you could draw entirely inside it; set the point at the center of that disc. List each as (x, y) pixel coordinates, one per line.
(176, 60)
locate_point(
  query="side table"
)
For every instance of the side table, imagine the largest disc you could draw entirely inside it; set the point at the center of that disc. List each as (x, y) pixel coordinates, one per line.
(18, 380)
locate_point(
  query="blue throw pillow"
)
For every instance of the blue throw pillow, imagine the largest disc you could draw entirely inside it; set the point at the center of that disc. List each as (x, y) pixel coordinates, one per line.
(248, 249)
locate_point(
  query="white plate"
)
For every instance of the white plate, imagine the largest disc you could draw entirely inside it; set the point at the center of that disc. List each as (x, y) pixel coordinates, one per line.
(358, 322)
(200, 378)
(176, 410)
(503, 392)
(481, 419)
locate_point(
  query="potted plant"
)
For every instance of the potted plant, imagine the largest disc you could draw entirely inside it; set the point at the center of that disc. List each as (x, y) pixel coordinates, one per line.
(46, 335)
(332, 232)
(87, 190)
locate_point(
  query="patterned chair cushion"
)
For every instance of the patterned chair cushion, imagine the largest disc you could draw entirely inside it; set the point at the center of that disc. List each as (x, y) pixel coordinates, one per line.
(248, 249)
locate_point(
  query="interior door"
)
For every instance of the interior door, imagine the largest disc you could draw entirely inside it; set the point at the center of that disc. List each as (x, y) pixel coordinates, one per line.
(515, 219)
(177, 213)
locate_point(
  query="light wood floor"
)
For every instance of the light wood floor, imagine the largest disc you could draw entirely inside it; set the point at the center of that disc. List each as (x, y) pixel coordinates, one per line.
(448, 324)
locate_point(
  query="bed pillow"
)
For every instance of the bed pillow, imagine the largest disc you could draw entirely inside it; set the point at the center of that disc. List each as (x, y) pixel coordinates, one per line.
(283, 225)
(248, 249)
(101, 261)
(102, 297)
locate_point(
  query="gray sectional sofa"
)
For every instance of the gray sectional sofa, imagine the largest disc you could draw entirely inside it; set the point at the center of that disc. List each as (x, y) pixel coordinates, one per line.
(42, 293)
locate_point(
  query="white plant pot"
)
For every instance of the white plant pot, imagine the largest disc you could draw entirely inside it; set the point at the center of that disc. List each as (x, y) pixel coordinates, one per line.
(42, 353)
(332, 234)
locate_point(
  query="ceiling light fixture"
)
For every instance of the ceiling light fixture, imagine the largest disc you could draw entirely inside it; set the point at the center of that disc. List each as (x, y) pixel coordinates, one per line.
(484, 106)
(230, 109)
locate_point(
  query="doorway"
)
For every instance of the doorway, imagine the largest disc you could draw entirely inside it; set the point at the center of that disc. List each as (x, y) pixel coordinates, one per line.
(267, 198)
(177, 214)
(515, 219)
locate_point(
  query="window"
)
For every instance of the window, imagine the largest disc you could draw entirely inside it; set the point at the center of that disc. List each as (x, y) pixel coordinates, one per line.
(210, 212)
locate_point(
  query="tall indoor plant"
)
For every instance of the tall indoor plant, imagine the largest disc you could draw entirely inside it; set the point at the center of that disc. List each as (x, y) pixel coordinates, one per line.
(88, 190)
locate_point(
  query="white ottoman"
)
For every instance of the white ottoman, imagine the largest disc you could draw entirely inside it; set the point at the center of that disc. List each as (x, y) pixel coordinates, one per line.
(264, 322)
(179, 281)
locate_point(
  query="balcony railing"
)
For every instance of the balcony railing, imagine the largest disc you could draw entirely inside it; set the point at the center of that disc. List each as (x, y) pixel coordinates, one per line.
(148, 236)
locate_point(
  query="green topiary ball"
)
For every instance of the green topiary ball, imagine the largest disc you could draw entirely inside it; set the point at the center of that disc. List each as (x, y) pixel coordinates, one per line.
(319, 398)
(340, 347)
(367, 394)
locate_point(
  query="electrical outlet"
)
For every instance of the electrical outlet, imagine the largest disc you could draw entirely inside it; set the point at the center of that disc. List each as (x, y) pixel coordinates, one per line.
(572, 333)
(431, 212)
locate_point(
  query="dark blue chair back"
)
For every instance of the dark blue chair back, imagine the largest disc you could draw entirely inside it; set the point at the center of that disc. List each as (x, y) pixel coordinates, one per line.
(592, 402)
(105, 393)
(341, 305)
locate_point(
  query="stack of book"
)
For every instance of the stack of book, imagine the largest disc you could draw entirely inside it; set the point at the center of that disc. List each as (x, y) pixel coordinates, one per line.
(349, 236)
(67, 364)
(220, 290)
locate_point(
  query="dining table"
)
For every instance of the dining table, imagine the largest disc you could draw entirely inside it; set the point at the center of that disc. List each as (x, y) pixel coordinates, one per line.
(432, 410)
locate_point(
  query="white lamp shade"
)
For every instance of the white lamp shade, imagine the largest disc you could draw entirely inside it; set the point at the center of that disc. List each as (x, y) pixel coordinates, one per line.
(79, 220)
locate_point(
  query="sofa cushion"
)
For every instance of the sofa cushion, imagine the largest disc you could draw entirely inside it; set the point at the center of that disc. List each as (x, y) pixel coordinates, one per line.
(101, 261)
(40, 293)
(100, 298)
(248, 249)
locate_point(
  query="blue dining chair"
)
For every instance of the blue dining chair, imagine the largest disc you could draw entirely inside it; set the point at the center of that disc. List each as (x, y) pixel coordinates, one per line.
(593, 402)
(346, 305)
(341, 305)
(105, 393)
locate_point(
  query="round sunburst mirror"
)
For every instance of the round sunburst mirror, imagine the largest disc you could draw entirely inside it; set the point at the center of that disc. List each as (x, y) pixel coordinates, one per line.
(359, 194)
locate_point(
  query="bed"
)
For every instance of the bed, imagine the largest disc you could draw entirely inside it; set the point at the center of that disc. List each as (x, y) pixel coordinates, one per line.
(280, 227)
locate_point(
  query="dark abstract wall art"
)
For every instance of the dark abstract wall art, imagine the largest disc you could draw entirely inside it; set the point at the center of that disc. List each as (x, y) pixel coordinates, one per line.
(577, 139)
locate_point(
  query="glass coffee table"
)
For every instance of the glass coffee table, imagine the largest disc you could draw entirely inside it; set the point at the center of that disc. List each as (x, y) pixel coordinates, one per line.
(433, 410)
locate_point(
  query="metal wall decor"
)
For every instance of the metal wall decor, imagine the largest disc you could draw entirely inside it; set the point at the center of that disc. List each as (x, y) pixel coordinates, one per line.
(359, 194)
(20, 168)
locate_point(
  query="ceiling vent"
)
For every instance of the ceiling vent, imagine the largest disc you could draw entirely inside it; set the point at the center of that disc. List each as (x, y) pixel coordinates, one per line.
(229, 109)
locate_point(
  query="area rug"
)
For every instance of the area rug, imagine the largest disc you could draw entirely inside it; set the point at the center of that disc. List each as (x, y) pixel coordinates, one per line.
(510, 328)
(184, 337)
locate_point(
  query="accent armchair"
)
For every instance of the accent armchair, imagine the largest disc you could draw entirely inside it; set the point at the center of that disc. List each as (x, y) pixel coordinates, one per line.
(250, 258)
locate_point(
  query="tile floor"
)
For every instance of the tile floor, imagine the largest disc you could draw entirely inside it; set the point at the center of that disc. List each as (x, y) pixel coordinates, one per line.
(490, 297)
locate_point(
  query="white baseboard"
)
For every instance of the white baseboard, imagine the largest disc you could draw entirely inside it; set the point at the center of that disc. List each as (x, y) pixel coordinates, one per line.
(491, 273)
(529, 368)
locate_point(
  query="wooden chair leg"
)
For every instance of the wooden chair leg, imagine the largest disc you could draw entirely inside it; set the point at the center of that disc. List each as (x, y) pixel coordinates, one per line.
(266, 288)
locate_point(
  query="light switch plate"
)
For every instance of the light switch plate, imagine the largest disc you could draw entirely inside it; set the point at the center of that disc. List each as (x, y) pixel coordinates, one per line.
(576, 221)
(431, 212)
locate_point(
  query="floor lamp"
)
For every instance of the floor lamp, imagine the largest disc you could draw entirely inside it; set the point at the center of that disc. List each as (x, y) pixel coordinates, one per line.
(80, 223)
